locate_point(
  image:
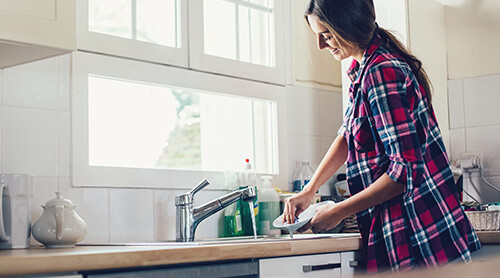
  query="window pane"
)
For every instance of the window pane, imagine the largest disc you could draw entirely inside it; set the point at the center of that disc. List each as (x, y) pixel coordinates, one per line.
(157, 22)
(219, 29)
(154, 21)
(113, 17)
(153, 126)
(254, 22)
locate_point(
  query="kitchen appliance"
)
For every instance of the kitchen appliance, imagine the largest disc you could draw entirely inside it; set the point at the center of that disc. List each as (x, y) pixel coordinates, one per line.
(15, 210)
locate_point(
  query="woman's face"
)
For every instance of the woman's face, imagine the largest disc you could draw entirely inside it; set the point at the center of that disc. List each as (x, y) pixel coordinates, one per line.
(326, 40)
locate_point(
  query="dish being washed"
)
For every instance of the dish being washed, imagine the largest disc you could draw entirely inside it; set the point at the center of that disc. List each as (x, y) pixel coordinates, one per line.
(303, 218)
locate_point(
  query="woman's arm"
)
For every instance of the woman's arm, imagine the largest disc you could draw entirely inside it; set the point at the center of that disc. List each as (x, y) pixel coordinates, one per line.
(334, 158)
(382, 190)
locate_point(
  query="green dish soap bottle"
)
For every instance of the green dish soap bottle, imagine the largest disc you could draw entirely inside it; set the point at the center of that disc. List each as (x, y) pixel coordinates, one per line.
(233, 225)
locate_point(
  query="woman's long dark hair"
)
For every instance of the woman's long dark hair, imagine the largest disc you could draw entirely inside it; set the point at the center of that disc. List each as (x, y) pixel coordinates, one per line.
(352, 22)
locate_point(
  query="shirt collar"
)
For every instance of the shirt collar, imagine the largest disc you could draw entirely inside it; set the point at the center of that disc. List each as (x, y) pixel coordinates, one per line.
(356, 67)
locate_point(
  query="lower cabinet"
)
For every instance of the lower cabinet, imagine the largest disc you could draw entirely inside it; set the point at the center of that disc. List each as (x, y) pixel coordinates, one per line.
(247, 269)
(343, 265)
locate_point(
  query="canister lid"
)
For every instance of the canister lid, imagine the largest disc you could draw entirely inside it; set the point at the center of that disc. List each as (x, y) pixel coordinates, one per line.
(58, 200)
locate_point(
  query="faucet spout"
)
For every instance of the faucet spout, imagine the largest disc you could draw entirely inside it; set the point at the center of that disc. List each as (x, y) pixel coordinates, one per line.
(188, 218)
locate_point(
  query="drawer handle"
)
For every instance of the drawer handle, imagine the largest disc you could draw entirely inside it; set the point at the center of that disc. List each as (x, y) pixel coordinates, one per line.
(309, 268)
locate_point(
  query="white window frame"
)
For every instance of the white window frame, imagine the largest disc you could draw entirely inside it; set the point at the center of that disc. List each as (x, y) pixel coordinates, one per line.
(203, 62)
(123, 47)
(84, 64)
(191, 54)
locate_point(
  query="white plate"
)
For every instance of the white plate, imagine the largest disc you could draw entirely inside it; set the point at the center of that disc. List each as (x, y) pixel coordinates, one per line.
(300, 221)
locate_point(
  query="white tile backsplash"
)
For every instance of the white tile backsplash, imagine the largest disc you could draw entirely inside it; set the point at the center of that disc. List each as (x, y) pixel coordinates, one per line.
(29, 141)
(303, 111)
(164, 212)
(304, 148)
(456, 104)
(330, 111)
(63, 82)
(476, 128)
(131, 215)
(481, 99)
(64, 144)
(32, 85)
(457, 143)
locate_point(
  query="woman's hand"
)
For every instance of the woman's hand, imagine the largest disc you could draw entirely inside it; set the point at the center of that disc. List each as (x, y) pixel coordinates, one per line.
(327, 217)
(295, 205)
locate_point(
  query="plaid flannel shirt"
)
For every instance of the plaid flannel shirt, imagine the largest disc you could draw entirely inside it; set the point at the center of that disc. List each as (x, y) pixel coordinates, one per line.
(390, 128)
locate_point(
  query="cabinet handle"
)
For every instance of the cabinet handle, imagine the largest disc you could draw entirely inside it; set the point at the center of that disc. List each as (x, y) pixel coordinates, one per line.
(353, 263)
(309, 268)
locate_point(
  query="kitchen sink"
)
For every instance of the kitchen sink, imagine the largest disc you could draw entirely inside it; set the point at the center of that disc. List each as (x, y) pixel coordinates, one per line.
(226, 240)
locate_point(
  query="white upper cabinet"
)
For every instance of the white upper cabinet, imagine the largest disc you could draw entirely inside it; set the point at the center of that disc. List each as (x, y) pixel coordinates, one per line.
(35, 29)
(311, 67)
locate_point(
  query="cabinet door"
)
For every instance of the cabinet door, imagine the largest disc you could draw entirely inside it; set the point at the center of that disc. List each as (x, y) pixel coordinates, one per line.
(247, 269)
(311, 67)
(323, 265)
(352, 263)
(50, 23)
(31, 30)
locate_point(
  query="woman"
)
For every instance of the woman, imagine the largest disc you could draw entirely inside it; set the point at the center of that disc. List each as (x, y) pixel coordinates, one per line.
(402, 187)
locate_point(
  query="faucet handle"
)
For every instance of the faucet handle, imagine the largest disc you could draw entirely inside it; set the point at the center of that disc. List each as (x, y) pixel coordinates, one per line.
(204, 183)
(187, 198)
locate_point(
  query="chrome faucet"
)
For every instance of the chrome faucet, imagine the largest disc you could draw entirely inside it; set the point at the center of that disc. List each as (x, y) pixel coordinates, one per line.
(188, 218)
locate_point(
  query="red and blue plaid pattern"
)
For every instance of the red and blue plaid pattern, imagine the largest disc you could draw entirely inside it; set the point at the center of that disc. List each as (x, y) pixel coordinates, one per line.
(391, 128)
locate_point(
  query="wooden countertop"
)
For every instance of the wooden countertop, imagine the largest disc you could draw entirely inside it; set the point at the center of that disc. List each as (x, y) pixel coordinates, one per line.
(37, 260)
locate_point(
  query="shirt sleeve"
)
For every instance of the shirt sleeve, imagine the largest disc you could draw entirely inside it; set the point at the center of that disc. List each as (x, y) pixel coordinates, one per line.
(386, 86)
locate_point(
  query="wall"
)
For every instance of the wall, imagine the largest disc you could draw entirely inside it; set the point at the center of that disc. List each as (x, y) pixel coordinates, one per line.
(35, 120)
(473, 40)
(475, 127)
(314, 117)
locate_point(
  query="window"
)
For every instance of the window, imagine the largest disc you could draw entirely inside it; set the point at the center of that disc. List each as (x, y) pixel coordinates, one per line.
(156, 127)
(160, 127)
(242, 38)
(245, 32)
(150, 30)
(154, 21)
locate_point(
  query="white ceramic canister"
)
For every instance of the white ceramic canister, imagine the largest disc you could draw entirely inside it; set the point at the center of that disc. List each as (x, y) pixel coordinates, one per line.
(15, 210)
(59, 226)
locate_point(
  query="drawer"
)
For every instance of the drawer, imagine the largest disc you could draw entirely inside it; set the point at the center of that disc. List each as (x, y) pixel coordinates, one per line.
(322, 265)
